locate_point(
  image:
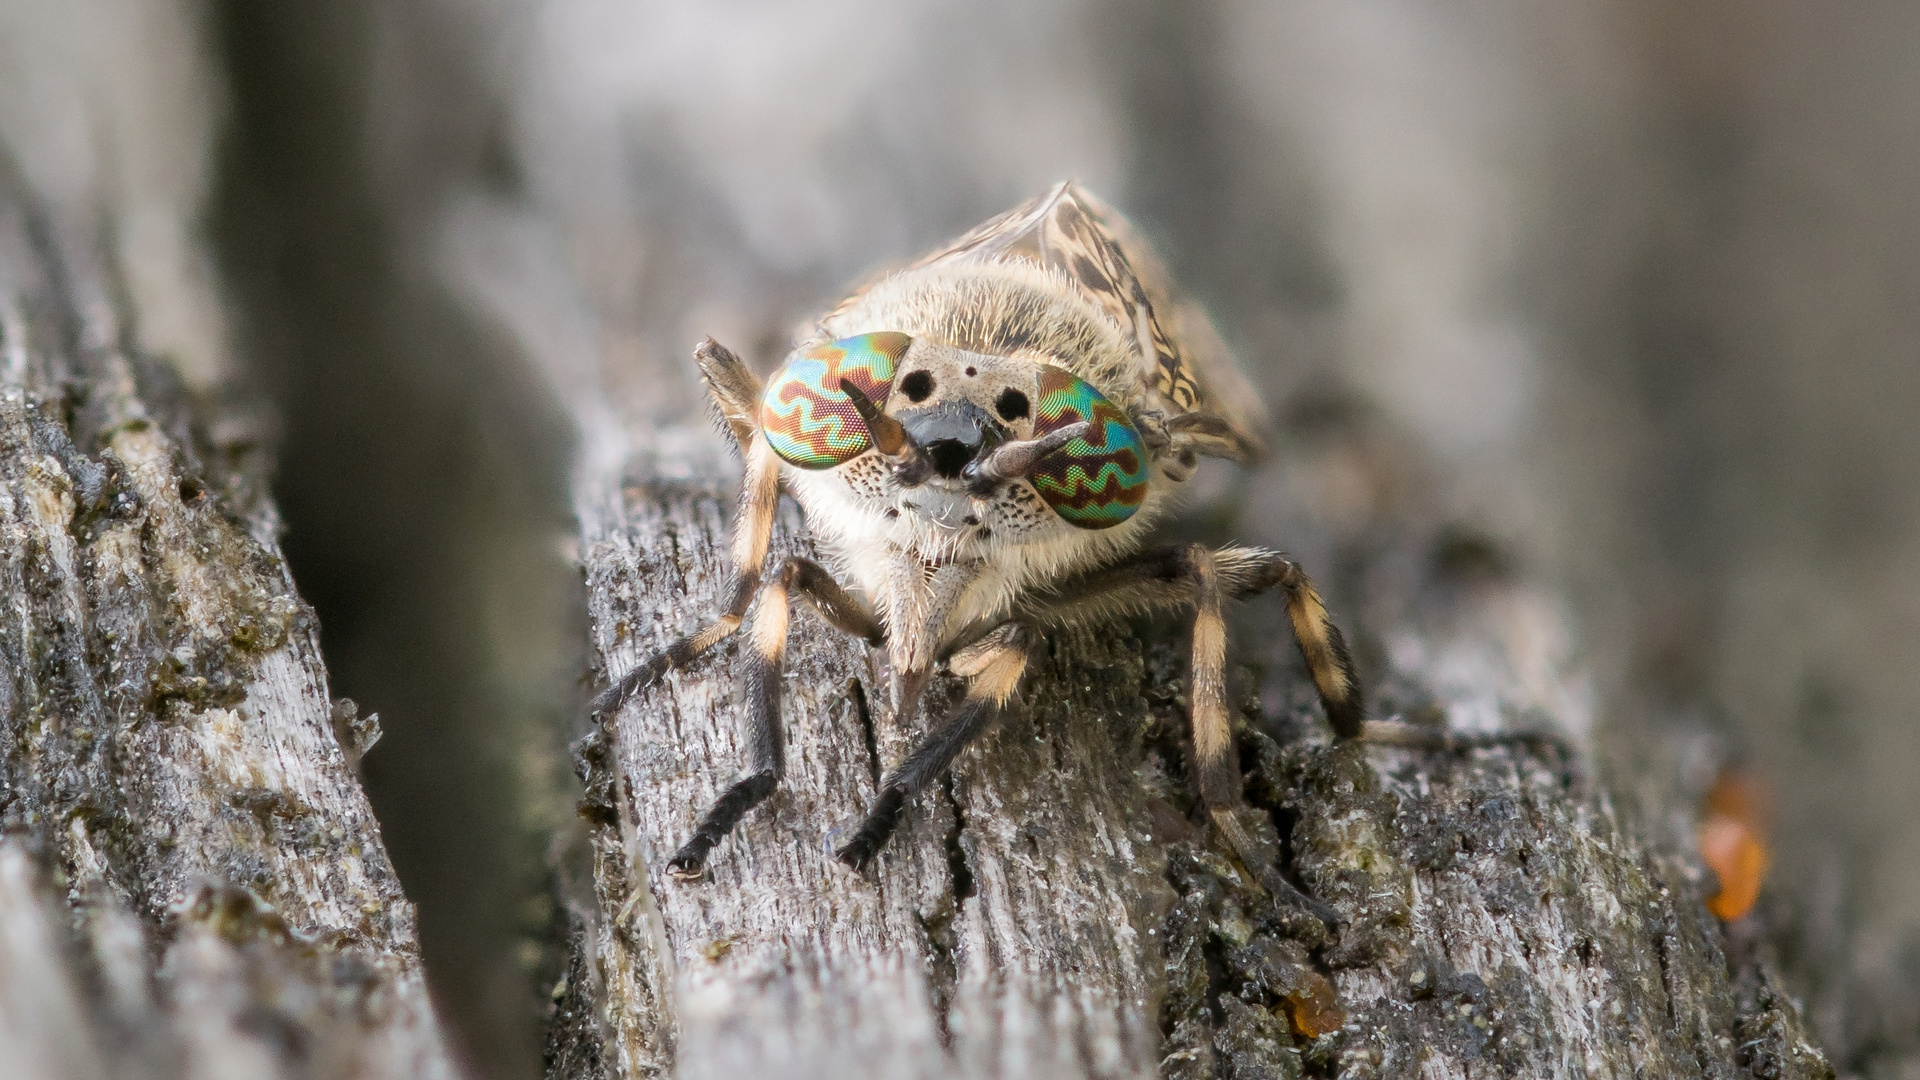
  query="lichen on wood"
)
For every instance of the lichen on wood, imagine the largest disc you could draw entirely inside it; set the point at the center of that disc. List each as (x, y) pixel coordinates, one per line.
(191, 881)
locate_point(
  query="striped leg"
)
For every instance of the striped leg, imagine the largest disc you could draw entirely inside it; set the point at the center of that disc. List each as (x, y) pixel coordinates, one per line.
(992, 667)
(765, 743)
(1176, 577)
(1322, 647)
(752, 532)
(1169, 579)
(1216, 765)
(765, 740)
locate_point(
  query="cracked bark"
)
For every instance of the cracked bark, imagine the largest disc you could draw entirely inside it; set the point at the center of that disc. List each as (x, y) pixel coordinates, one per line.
(191, 881)
(1057, 910)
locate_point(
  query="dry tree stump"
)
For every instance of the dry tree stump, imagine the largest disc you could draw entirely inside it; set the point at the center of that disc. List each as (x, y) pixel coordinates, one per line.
(192, 884)
(1056, 908)
(191, 881)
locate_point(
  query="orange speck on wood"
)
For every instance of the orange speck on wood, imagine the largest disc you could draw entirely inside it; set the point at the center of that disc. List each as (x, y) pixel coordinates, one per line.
(1315, 1011)
(1741, 796)
(1737, 856)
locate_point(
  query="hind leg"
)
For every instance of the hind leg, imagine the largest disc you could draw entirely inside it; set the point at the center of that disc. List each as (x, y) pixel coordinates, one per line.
(1173, 578)
(1194, 577)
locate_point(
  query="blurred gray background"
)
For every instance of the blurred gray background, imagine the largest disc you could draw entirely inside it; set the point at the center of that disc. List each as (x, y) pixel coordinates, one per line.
(1641, 277)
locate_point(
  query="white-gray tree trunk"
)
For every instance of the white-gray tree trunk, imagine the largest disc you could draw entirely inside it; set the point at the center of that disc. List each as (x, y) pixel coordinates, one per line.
(191, 881)
(1056, 911)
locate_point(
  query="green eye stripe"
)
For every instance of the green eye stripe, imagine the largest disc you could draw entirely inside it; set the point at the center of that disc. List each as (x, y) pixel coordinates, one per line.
(805, 417)
(1099, 479)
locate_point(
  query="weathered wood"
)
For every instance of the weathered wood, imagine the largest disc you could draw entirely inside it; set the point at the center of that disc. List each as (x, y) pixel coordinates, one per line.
(191, 881)
(1057, 910)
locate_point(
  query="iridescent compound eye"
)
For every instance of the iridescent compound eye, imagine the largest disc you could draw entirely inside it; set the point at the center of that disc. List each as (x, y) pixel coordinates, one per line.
(807, 420)
(1099, 479)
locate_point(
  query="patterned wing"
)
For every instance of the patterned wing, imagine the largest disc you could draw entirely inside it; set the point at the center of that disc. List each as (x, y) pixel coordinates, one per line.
(1071, 231)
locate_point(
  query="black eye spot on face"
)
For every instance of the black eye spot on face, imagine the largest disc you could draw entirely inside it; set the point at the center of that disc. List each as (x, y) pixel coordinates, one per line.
(1011, 405)
(971, 373)
(918, 386)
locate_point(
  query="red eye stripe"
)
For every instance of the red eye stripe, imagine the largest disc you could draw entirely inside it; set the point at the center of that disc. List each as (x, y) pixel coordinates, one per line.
(1099, 479)
(805, 417)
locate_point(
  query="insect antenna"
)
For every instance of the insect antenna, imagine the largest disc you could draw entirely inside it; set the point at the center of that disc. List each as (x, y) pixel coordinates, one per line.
(1014, 460)
(910, 465)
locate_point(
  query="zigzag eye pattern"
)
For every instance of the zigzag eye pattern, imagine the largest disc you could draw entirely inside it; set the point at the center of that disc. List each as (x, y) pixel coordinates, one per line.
(1099, 479)
(807, 420)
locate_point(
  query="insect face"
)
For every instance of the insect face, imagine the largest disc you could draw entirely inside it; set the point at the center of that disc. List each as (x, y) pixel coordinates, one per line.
(993, 421)
(959, 428)
(944, 403)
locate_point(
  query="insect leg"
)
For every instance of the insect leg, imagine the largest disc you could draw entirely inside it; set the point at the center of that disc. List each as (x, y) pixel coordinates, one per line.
(1216, 765)
(1192, 576)
(732, 388)
(922, 597)
(993, 668)
(1166, 578)
(752, 532)
(765, 740)
(830, 601)
(1321, 645)
(765, 752)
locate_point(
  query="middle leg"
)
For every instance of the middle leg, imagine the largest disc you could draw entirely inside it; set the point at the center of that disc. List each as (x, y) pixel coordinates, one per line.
(1196, 578)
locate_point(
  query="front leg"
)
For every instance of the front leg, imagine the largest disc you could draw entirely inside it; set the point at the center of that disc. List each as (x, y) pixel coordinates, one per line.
(752, 533)
(993, 668)
(921, 597)
(766, 758)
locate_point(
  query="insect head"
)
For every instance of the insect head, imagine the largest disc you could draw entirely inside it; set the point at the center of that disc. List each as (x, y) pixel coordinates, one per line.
(828, 404)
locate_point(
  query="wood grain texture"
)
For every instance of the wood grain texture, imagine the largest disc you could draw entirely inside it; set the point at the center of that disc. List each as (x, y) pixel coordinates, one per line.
(191, 881)
(780, 930)
(1058, 908)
